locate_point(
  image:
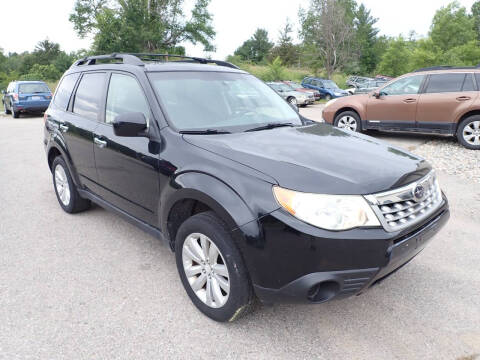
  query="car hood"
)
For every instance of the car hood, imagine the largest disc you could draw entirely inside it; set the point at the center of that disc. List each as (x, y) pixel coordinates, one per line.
(318, 158)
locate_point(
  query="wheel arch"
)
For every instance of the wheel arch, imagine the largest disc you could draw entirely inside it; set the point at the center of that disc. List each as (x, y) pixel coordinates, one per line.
(193, 193)
(346, 108)
(58, 148)
(463, 117)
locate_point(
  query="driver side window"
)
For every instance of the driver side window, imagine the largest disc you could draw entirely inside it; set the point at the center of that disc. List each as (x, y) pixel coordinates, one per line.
(124, 96)
(408, 85)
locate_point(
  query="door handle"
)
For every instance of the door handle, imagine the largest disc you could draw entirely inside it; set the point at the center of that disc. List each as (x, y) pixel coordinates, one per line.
(64, 128)
(463, 98)
(409, 100)
(99, 142)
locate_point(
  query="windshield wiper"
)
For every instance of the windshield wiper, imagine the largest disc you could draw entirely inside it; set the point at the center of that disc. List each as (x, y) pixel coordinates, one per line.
(270, 126)
(204, 132)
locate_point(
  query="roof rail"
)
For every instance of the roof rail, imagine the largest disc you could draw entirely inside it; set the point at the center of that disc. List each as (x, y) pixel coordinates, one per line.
(446, 67)
(139, 58)
(155, 57)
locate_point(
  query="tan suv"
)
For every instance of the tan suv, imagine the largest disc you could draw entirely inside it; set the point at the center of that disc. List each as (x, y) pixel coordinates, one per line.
(442, 100)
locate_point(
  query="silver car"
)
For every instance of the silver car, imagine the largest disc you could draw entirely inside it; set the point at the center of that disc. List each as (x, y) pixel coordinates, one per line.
(293, 97)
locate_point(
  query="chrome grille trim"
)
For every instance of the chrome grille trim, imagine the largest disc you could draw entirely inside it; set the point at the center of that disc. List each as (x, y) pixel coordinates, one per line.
(399, 209)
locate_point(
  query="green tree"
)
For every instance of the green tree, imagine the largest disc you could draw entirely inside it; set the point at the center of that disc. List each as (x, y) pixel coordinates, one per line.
(327, 33)
(256, 48)
(452, 26)
(276, 71)
(143, 25)
(366, 39)
(476, 17)
(285, 49)
(396, 59)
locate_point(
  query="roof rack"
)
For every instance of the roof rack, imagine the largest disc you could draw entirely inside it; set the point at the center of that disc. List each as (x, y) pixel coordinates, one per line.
(446, 67)
(139, 59)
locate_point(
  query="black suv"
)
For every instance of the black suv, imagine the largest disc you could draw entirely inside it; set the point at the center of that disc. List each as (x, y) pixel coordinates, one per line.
(255, 201)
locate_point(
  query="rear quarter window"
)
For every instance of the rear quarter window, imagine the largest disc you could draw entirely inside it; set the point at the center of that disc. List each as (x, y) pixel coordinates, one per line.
(64, 91)
(89, 95)
(440, 83)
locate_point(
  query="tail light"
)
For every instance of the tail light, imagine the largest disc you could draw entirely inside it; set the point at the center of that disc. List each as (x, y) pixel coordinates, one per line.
(15, 97)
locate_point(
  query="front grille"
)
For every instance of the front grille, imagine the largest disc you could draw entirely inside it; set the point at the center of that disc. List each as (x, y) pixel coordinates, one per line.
(406, 206)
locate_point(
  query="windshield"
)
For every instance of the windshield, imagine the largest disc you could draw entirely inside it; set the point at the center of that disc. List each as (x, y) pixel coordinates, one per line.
(329, 84)
(219, 101)
(33, 88)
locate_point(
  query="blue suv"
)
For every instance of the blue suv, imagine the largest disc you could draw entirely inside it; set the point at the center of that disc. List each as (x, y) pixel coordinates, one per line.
(26, 96)
(328, 89)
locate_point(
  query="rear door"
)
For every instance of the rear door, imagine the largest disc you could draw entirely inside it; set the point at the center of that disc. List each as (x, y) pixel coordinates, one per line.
(127, 167)
(78, 124)
(446, 97)
(396, 107)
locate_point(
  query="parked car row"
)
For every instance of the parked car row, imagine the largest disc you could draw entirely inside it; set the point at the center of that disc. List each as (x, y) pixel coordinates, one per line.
(295, 97)
(26, 97)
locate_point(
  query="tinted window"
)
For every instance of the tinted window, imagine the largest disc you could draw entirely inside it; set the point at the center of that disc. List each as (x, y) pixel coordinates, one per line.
(125, 96)
(468, 83)
(440, 83)
(64, 91)
(307, 81)
(404, 86)
(89, 94)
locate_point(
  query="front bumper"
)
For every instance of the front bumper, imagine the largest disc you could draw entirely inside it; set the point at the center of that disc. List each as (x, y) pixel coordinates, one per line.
(345, 266)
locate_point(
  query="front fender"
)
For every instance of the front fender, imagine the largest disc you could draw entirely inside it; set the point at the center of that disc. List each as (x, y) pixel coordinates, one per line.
(211, 191)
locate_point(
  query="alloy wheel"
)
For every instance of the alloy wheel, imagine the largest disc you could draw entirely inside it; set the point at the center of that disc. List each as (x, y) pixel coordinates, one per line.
(293, 101)
(471, 133)
(61, 185)
(206, 270)
(347, 122)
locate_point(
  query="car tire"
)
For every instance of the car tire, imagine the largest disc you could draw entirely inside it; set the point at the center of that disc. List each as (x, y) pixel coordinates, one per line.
(348, 120)
(328, 97)
(468, 132)
(67, 194)
(7, 112)
(227, 271)
(15, 114)
(292, 101)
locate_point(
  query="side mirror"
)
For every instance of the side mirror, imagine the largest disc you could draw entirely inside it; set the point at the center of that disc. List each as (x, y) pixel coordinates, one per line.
(376, 94)
(130, 125)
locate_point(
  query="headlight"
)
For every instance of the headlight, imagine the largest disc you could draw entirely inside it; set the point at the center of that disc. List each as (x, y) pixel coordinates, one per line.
(330, 102)
(330, 212)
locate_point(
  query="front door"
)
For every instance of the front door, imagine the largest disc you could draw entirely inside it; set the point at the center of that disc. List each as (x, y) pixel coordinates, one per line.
(396, 106)
(446, 97)
(127, 167)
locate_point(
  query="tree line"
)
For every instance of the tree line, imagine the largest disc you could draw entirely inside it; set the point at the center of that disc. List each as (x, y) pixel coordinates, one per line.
(334, 36)
(341, 36)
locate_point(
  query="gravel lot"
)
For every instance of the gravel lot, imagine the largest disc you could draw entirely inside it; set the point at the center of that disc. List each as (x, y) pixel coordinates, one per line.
(92, 286)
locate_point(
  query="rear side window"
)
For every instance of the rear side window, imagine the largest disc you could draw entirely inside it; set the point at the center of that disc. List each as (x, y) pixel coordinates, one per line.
(307, 81)
(89, 95)
(468, 83)
(64, 91)
(125, 96)
(440, 83)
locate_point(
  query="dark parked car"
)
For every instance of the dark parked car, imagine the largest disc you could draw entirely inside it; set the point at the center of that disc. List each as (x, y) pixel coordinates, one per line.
(328, 88)
(254, 200)
(26, 96)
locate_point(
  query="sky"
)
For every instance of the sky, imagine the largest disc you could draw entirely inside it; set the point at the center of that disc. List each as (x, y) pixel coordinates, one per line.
(26, 22)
